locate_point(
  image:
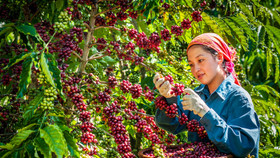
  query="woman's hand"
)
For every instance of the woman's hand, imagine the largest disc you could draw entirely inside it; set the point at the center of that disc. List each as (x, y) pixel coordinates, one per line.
(163, 86)
(194, 103)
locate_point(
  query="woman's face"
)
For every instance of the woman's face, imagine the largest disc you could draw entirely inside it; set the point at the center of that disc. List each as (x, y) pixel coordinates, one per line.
(204, 66)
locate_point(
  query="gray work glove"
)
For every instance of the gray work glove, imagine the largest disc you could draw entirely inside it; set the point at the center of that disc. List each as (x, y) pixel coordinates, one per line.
(163, 86)
(193, 102)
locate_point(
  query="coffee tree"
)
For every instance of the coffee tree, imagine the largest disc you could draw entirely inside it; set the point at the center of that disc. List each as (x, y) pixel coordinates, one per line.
(76, 76)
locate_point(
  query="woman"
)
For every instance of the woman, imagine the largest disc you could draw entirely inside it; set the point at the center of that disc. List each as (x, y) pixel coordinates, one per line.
(220, 104)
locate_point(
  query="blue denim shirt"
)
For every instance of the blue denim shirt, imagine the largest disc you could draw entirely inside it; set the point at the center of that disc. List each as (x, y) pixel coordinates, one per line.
(231, 123)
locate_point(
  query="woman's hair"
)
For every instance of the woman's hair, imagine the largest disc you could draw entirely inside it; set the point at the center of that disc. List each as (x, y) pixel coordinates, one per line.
(214, 53)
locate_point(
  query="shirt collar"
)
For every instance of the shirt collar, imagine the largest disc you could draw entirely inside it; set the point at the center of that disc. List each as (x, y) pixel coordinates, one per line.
(222, 90)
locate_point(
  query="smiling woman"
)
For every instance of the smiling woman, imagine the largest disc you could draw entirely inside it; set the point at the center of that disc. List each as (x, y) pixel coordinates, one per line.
(220, 104)
(206, 67)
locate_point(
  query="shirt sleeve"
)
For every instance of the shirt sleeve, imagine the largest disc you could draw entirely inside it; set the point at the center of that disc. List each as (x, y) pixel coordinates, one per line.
(239, 133)
(170, 124)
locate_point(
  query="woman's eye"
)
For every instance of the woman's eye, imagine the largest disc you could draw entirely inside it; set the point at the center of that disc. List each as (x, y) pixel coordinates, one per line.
(201, 60)
(191, 65)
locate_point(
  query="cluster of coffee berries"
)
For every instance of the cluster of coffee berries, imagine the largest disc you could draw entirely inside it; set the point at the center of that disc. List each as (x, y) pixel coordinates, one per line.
(114, 108)
(169, 78)
(160, 103)
(186, 24)
(142, 41)
(134, 78)
(88, 138)
(112, 82)
(6, 79)
(138, 60)
(193, 126)
(118, 130)
(91, 78)
(170, 139)
(100, 21)
(41, 78)
(122, 16)
(87, 130)
(157, 151)
(125, 86)
(171, 110)
(9, 115)
(132, 33)
(44, 28)
(102, 41)
(66, 45)
(165, 35)
(50, 94)
(183, 119)
(63, 21)
(155, 40)
(178, 89)
(196, 15)
(111, 18)
(133, 14)
(203, 4)
(136, 91)
(149, 95)
(85, 116)
(103, 97)
(196, 149)
(76, 34)
(176, 30)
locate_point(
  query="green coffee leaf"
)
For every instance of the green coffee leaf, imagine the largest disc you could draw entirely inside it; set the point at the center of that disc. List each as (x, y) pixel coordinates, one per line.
(32, 106)
(6, 30)
(55, 139)
(45, 69)
(27, 29)
(53, 67)
(17, 59)
(72, 147)
(43, 147)
(59, 4)
(17, 139)
(25, 77)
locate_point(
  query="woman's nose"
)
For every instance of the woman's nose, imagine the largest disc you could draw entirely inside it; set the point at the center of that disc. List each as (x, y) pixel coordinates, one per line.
(196, 67)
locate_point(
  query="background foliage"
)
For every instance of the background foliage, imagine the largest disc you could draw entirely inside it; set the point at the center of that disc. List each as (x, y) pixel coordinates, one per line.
(57, 44)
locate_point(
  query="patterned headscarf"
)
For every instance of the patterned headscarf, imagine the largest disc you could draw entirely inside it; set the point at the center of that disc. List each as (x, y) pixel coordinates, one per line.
(215, 42)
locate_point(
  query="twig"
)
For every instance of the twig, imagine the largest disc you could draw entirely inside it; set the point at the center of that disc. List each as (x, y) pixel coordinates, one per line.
(105, 132)
(97, 54)
(7, 134)
(48, 41)
(15, 115)
(87, 26)
(11, 95)
(34, 15)
(99, 44)
(88, 11)
(105, 11)
(75, 112)
(104, 0)
(110, 27)
(119, 110)
(97, 57)
(77, 55)
(143, 114)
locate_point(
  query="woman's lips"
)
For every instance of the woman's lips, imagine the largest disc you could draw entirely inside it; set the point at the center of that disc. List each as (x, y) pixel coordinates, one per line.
(200, 76)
